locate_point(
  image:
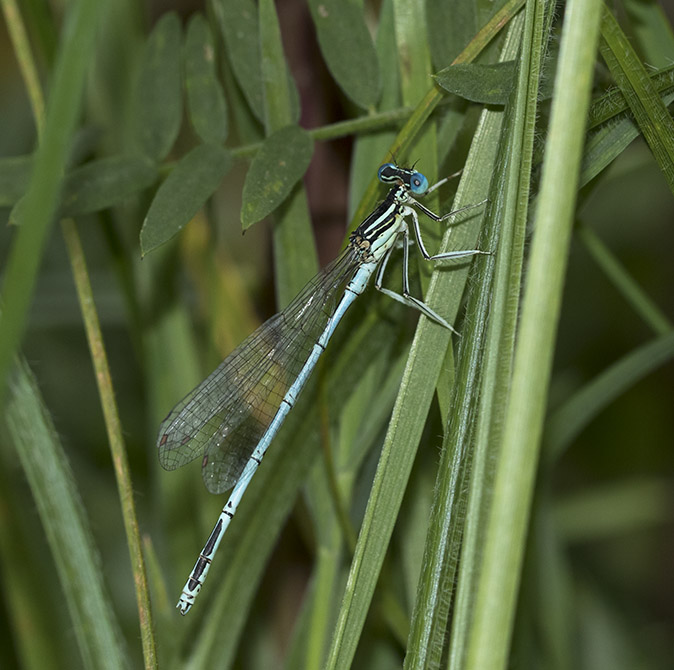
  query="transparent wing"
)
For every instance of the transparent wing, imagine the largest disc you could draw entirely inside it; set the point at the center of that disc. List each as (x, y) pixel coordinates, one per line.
(224, 417)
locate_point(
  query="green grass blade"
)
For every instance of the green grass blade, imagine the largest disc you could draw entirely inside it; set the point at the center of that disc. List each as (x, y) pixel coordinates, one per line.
(44, 191)
(606, 143)
(65, 523)
(511, 195)
(640, 302)
(280, 93)
(506, 530)
(616, 509)
(653, 118)
(444, 538)
(572, 417)
(414, 65)
(613, 102)
(409, 414)
(653, 32)
(32, 591)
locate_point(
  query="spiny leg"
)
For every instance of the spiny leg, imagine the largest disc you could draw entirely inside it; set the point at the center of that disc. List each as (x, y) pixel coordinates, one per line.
(432, 215)
(461, 253)
(406, 298)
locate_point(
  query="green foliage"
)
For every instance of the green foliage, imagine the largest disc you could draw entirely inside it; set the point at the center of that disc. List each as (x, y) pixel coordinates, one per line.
(274, 172)
(347, 47)
(494, 499)
(205, 97)
(488, 84)
(157, 112)
(183, 193)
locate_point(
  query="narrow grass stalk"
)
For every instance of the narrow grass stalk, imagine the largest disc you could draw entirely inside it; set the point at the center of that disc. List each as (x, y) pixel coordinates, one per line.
(114, 430)
(567, 421)
(24, 56)
(640, 302)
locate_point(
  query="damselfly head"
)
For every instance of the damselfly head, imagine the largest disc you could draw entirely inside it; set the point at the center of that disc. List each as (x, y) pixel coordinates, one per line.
(389, 173)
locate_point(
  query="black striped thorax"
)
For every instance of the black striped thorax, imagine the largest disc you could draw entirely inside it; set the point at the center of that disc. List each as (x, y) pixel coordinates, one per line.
(383, 223)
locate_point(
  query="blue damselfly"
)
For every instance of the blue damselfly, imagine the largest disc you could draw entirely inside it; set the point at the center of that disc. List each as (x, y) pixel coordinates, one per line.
(233, 415)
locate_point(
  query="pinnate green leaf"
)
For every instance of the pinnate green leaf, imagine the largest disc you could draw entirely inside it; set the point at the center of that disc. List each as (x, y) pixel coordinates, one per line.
(278, 166)
(205, 99)
(158, 101)
(194, 179)
(486, 84)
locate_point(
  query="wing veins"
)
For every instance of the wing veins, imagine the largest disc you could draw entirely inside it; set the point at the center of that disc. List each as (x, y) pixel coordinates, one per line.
(224, 416)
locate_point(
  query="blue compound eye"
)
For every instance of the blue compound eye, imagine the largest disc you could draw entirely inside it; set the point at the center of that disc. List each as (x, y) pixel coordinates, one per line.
(388, 173)
(418, 183)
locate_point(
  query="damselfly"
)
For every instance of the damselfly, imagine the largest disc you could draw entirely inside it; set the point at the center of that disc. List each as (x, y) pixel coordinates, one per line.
(233, 415)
